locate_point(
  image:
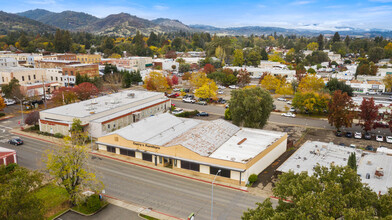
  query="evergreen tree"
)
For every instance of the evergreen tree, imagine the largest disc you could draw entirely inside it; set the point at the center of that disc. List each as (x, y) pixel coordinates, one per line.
(336, 37)
(264, 54)
(320, 41)
(352, 161)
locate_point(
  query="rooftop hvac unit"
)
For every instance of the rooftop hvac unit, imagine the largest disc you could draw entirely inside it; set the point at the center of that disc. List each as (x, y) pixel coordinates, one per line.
(131, 95)
(368, 176)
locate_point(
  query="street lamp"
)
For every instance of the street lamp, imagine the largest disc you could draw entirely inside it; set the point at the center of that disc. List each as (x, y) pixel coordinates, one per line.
(212, 193)
(21, 109)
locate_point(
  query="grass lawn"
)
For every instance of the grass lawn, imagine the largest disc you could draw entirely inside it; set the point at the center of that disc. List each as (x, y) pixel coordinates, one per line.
(148, 217)
(55, 199)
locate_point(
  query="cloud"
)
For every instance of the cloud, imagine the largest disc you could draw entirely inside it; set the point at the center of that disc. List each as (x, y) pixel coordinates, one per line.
(382, 1)
(301, 2)
(41, 2)
(261, 6)
(160, 7)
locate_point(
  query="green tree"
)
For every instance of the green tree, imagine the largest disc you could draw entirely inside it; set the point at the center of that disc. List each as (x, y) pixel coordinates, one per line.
(16, 200)
(238, 58)
(334, 84)
(12, 89)
(352, 161)
(184, 67)
(253, 58)
(312, 46)
(68, 164)
(375, 54)
(336, 37)
(320, 41)
(264, 54)
(329, 193)
(250, 107)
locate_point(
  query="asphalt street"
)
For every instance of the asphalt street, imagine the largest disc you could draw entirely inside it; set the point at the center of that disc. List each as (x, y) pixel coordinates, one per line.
(166, 193)
(277, 118)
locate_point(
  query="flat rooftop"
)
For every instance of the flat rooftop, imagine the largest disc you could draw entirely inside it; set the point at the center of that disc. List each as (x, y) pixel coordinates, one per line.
(312, 153)
(367, 169)
(216, 139)
(104, 103)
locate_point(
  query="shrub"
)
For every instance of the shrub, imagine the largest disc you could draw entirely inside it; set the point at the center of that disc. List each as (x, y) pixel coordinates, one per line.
(93, 203)
(188, 114)
(58, 135)
(252, 178)
(227, 114)
(2, 114)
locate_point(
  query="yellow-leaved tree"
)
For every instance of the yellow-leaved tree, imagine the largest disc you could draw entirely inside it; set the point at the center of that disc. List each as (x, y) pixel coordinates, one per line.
(198, 79)
(311, 83)
(270, 82)
(285, 89)
(156, 81)
(207, 90)
(313, 46)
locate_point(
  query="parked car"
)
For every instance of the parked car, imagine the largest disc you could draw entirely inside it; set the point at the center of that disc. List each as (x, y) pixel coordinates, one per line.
(273, 107)
(349, 134)
(202, 114)
(290, 102)
(282, 99)
(220, 92)
(367, 136)
(173, 95)
(221, 101)
(189, 100)
(177, 111)
(288, 114)
(342, 144)
(371, 93)
(221, 87)
(292, 109)
(369, 147)
(353, 146)
(379, 138)
(15, 141)
(358, 135)
(201, 102)
(9, 101)
(227, 106)
(338, 133)
(233, 87)
(388, 139)
(176, 90)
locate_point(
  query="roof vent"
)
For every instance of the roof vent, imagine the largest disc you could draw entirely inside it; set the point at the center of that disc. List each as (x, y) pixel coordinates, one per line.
(369, 162)
(298, 166)
(368, 176)
(131, 95)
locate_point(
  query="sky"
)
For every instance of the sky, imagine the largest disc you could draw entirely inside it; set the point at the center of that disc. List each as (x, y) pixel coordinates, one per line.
(308, 14)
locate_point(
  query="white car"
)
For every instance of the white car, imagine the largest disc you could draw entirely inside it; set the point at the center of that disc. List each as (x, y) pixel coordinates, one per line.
(388, 139)
(221, 87)
(9, 101)
(282, 99)
(220, 92)
(233, 87)
(290, 102)
(358, 135)
(177, 111)
(176, 90)
(292, 109)
(189, 100)
(288, 114)
(379, 138)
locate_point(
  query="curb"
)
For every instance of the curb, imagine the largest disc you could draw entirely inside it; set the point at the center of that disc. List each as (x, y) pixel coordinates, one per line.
(176, 174)
(5, 118)
(144, 166)
(139, 212)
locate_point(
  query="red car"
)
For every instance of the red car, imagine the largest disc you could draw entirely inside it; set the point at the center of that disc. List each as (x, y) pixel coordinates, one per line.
(173, 95)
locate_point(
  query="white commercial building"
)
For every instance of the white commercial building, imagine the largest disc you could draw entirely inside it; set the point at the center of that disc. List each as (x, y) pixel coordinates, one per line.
(197, 147)
(256, 72)
(375, 169)
(104, 114)
(8, 62)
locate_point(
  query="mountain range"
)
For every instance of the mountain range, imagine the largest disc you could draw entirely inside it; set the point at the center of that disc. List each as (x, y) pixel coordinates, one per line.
(124, 24)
